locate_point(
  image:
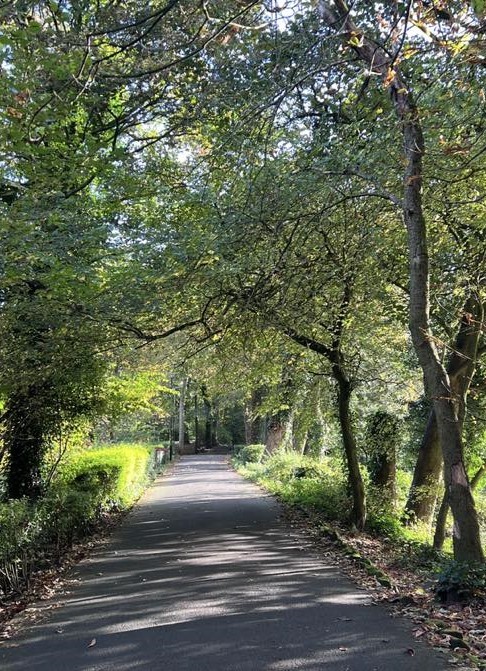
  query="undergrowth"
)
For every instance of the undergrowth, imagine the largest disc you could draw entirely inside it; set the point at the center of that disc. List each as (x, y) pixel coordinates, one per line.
(320, 486)
(89, 485)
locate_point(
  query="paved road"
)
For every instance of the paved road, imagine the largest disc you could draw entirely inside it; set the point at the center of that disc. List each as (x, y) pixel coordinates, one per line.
(204, 577)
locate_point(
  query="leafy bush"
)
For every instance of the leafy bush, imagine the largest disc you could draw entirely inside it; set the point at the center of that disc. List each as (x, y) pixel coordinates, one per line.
(88, 484)
(16, 527)
(251, 454)
(461, 580)
(303, 481)
(384, 523)
(237, 450)
(117, 474)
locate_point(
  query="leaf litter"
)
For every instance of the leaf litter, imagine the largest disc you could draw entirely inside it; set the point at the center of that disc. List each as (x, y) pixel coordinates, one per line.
(458, 629)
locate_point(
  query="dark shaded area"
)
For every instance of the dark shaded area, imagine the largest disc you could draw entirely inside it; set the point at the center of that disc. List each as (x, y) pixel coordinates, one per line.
(203, 576)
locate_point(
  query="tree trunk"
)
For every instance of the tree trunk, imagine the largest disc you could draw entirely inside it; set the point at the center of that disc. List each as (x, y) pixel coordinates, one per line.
(196, 424)
(383, 474)
(215, 425)
(275, 434)
(25, 444)
(182, 413)
(441, 523)
(344, 391)
(382, 438)
(467, 544)
(462, 366)
(289, 432)
(422, 497)
(252, 423)
(208, 419)
(428, 469)
(356, 485)
(301, 445)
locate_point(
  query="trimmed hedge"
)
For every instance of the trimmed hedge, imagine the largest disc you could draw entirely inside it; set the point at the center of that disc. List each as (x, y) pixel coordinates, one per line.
(117, 474)
(89, 484)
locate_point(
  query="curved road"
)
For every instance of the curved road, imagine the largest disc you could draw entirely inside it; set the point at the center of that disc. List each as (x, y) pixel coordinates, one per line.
(203, 576)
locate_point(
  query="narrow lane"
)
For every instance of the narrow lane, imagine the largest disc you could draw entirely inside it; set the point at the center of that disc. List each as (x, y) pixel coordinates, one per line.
(203, 576)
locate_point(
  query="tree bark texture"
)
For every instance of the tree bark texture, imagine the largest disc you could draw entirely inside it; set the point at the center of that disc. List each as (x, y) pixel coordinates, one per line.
(461, 366)
(427, 475)
(466, 537)
(441, 522)
(383, 473)
(382, 437)
(275, 434)
(356, 485)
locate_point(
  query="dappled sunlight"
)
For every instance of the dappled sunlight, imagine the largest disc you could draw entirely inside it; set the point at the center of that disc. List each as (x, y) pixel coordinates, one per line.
(178, 588)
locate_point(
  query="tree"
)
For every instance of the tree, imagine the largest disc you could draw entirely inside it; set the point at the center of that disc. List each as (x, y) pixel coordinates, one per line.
(467, 545)
(460, 368)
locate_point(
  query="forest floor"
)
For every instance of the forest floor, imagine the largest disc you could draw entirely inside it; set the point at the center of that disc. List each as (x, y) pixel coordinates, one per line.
(207, 573)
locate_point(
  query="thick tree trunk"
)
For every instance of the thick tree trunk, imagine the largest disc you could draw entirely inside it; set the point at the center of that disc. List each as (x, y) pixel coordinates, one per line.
(382, 437)
(428, 470)
(275, 434)
(383, 474)
(25, 444)
(441, 523)
(356, 485)
(467, 544)
(427, 476)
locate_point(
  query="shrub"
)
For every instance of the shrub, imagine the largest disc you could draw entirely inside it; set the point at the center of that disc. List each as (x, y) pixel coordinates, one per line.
(384, 523)
(303, 481)
(88, 484)
(461, 580)
(117, 475)
(252, 454)
(237, 450)
(16, 528)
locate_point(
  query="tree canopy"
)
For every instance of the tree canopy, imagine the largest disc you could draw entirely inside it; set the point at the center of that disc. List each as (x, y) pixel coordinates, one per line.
(281, 202)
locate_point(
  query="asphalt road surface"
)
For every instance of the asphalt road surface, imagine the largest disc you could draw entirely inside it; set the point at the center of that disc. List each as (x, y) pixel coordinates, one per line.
(204, 576)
